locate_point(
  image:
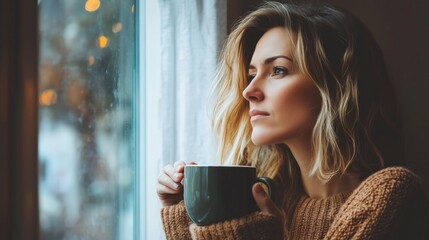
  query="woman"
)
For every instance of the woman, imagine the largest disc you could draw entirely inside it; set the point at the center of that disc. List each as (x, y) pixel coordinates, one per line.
(302, 93)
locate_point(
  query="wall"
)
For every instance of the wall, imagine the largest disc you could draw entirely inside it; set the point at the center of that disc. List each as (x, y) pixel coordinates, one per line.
(402, 30)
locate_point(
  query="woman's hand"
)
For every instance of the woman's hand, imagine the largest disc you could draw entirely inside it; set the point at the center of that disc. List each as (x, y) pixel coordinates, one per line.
(266, 204)
(169, 189)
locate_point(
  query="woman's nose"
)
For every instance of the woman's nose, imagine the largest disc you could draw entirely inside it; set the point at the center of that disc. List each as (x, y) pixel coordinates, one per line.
(253, 92)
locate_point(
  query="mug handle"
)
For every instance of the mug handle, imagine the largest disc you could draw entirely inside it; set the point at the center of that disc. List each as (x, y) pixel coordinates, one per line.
(270, 184)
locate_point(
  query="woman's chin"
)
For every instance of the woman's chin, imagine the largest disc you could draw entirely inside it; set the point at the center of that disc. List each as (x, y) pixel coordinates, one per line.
(259, 141)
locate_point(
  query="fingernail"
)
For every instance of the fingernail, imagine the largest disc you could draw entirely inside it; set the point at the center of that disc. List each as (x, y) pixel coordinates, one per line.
(175, 185)
(176, 176)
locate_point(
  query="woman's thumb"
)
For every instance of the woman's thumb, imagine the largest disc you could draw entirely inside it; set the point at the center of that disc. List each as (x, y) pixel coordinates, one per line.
(263, 200)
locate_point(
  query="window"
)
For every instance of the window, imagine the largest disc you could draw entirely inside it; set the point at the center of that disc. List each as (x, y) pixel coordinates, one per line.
(98, 115)
(88, 131)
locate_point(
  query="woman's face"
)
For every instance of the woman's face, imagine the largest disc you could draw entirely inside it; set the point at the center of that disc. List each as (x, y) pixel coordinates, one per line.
(284, 103)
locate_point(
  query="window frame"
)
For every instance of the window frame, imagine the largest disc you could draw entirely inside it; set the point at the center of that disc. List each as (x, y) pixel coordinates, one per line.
(19, 214)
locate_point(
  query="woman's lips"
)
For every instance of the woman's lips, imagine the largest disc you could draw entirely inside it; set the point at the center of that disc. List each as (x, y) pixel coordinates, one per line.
(257, 114)
(257, 117)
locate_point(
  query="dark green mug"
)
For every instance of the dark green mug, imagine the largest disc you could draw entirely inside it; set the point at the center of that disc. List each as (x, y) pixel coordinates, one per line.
(217, 193)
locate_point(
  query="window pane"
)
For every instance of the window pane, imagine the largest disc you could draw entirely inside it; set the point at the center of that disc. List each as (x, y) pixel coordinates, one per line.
(87, 119)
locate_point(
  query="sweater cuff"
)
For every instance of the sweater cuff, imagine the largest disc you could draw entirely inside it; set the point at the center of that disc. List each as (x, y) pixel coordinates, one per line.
(176, 222)
(258, 226)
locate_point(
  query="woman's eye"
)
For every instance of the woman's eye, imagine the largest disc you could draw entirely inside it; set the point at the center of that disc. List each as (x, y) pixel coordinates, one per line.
(279, 71)
(250, 78)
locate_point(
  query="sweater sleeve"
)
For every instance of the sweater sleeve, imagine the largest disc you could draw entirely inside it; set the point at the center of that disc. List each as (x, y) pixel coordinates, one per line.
(375, 207)
(176, 222)
(255, 226)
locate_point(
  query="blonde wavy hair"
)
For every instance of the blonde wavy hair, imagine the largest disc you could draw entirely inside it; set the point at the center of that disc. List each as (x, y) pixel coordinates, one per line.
(357, 129)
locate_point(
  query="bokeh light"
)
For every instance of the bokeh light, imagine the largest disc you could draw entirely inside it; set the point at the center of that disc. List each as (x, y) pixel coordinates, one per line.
(117, 27)
(103, 41)
(48, 97)
(91, 60)
(92, 5)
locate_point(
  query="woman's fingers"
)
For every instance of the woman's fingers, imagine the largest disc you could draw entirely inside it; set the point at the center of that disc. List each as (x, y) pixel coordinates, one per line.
(179, 166)
(170, 189)
(163, 190)
(168, 196)
(171, 172)
(165, 180)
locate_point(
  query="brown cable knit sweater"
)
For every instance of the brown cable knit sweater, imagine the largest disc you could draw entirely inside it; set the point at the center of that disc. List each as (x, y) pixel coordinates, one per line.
(389, 204)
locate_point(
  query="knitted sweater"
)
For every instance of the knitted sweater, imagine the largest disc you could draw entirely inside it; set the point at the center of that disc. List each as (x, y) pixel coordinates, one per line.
(389, 204)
